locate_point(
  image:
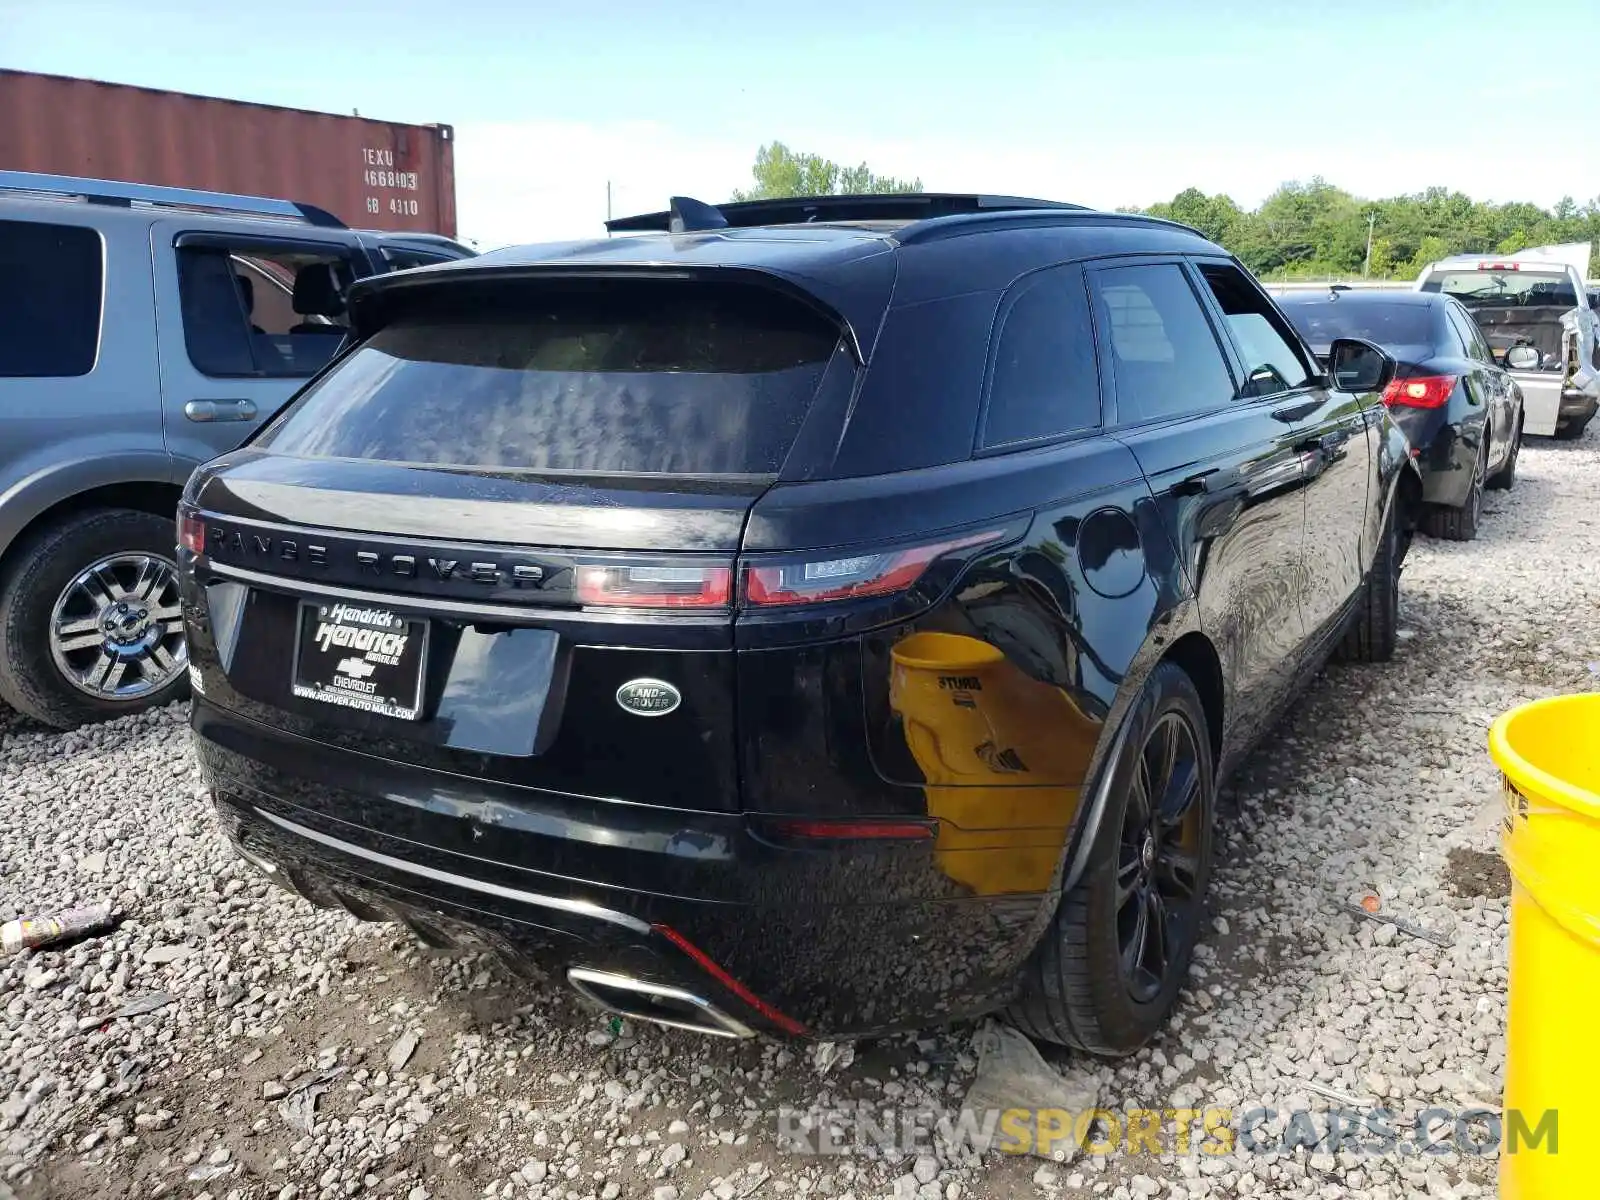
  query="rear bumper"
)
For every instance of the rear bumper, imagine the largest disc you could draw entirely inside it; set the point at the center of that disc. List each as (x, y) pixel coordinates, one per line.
(848, 938)
(1577, 406)
(1546, 405)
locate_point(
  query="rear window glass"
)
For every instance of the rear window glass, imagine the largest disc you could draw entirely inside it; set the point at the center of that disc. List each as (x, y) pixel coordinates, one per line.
(1385, 324)
(1481, 289)
(51, 278)
(635, 378)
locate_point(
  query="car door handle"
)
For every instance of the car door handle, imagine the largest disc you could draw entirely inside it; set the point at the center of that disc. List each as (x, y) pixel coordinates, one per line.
(1291, 413)
(1204, 483)
(1327, 443)
(220, 410)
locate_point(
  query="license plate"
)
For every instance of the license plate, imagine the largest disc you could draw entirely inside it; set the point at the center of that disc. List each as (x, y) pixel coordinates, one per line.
(368, 659)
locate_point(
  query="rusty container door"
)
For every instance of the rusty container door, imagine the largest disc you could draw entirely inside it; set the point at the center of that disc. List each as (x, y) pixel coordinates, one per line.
(370, 174)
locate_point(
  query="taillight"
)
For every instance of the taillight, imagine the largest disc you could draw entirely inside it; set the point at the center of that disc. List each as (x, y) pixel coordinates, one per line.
(655, 586)
(191, 533)
(880, 573)
(1420, 391)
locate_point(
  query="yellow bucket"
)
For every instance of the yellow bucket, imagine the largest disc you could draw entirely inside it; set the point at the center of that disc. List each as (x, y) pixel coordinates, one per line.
(1003, 754)
(1549, 754)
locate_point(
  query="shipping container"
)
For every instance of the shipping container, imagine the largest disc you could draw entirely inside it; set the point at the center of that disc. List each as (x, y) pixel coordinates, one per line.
(370, 174)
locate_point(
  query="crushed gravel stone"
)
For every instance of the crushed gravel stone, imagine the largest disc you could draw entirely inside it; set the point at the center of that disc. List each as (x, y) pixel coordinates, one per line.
(228, 1041)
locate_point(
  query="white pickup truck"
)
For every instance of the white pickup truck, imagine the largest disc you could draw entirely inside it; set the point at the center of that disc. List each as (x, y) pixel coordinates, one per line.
(1533, 309)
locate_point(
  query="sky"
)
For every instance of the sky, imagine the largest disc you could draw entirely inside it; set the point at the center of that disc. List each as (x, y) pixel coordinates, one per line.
(1106, 104)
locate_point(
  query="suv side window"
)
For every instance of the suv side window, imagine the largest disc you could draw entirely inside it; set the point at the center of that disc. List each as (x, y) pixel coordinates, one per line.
(1043, 382)
(1165, 357)
(1272, 362)
(404, 260)
(254, 311)
(52, 278)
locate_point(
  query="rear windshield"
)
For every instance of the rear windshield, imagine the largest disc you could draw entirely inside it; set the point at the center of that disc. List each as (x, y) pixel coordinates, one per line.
(1480, 289)
(630, 378)
(1385, 324)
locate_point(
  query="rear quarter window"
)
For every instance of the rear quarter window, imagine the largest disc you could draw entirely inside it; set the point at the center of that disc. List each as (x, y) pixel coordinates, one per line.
(1043, 383)
(623, 378)
(52, 278)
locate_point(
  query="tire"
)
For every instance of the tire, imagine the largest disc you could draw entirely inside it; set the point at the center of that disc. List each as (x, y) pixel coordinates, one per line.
(1505, 478)
(1572, 430)
(125, 659)
(1077, 989)
(1461, 524)
(1375, 633)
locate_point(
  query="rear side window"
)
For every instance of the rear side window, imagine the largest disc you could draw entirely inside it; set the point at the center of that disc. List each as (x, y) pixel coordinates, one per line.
(52, 278)
(1165, 358)
(1271, 362)
(1471, 337)
(627, 378)
(253, 311)
(1044, 383)
(403, 260)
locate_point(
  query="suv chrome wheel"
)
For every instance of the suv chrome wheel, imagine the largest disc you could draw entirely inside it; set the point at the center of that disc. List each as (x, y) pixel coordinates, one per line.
(116, 631)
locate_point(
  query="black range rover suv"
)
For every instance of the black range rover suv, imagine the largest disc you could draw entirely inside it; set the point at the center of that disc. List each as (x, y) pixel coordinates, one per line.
(813, 617)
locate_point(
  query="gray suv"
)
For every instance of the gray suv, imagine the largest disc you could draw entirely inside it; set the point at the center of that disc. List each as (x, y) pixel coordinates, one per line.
(145, 330)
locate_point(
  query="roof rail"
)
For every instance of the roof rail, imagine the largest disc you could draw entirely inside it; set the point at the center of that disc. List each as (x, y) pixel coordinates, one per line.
(686, 215)
(109, 191)
(936, 228)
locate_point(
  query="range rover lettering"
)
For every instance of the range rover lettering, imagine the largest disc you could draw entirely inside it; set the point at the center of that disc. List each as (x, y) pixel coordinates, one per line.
(807, 617)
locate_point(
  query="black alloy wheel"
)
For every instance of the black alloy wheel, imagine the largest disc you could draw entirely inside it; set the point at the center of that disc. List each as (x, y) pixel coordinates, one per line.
(1158, 863)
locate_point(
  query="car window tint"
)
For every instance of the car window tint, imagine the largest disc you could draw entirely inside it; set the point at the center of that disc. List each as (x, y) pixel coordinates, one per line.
(1164, 355)
(1044, 382)
(626, 378)
(404, 260)
(249, 311)
(1383, 322)
(1272, 364)
(1471, 336)
(50, 277)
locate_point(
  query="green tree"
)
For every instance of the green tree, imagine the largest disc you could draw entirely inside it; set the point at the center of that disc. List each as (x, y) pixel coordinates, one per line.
(1314, 229)
(780, 171)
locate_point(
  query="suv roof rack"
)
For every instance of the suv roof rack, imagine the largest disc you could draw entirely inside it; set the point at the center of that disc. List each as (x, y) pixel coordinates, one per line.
(110, 191)
(687, 215)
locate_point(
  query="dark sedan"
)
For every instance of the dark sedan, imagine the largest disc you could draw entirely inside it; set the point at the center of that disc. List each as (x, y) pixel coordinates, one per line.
(1461, 412)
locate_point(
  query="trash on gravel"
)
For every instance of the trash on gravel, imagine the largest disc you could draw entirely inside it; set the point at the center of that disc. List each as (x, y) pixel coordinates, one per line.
(1338, 1097)
(30, 933)
(142, 1005)
(400, 1053)
(1013, 1074)
(829, 1056)
(299, 1107)
(1409, 928)
(168, 954)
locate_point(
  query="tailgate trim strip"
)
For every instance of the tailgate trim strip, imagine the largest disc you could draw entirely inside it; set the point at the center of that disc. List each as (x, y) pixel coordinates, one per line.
(577, 908)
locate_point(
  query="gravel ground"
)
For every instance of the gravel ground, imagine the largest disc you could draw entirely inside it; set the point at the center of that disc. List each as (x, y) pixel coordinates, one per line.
(300, 1054)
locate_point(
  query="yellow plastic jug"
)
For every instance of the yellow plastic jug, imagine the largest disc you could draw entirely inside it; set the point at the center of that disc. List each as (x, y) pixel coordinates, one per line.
(1004, 756)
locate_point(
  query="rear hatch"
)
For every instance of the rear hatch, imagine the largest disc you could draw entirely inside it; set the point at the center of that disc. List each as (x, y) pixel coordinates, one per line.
(499, 538)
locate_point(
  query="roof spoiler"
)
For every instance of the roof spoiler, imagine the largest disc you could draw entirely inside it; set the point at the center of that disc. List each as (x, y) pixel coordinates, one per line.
(688, 216)
(125, 195)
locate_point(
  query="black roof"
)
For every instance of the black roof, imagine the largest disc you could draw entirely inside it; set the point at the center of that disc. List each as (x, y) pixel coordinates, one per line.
(799, 210)
(851, 266)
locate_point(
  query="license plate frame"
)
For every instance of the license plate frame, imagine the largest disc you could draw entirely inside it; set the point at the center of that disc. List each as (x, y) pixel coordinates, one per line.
(368, 669)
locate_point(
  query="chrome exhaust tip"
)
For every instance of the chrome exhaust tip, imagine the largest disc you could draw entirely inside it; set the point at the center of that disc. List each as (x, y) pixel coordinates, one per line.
(656, 1003)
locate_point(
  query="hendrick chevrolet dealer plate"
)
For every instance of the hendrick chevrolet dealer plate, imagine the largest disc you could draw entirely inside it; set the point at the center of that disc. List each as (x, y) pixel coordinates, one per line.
(368, 659)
